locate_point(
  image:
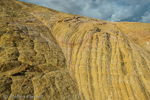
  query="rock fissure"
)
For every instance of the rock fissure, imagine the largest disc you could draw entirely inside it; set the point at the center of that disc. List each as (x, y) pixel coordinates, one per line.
(60, 56)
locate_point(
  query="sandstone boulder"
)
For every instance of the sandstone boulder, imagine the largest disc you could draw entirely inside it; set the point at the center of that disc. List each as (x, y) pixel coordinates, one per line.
(50, 55)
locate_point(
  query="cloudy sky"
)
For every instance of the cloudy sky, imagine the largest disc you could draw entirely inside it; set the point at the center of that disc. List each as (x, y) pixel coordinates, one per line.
(110, 10)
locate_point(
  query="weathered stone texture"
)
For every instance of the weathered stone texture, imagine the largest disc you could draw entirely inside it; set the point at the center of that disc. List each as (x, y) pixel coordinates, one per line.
(50, 55)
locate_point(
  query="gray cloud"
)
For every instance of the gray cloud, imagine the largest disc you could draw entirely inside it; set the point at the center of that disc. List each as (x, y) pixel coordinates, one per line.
(111, 10)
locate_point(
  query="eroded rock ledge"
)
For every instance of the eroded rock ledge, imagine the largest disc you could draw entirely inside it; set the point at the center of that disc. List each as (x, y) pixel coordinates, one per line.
(50, 55)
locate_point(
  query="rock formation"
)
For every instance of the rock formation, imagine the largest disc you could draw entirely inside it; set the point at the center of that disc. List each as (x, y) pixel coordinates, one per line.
(50, 55)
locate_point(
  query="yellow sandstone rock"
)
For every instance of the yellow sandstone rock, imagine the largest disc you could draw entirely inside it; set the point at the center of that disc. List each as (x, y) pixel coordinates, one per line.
(50, 55)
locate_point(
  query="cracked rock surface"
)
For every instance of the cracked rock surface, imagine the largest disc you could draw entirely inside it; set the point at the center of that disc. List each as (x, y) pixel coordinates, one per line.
(50, 55)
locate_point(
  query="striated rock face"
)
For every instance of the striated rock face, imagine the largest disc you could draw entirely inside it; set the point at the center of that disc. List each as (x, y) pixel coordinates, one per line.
(50, 55)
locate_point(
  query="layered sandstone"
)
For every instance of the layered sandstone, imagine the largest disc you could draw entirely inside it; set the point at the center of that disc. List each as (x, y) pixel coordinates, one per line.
(50, 55)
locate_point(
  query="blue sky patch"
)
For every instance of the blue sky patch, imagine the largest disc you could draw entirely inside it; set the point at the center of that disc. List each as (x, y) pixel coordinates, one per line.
(110, 10)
